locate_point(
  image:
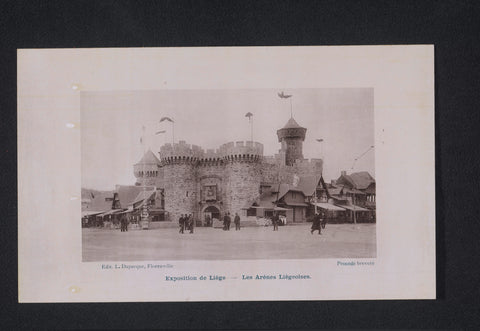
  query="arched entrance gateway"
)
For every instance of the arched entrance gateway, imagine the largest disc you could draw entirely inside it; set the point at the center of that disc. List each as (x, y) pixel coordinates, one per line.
(209, 214)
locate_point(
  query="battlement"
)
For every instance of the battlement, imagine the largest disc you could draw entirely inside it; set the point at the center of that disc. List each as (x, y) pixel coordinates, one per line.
(181, 149)
(183, 152)
(308, 162)
(241, 148)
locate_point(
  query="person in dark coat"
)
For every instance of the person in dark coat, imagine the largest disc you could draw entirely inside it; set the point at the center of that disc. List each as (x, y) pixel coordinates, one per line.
(190, 223)
(127, 221)
(225, 220)
(229, 221)
(236, 220)
(122, 223)
(181, 223)
(316, 224)
(275, 221)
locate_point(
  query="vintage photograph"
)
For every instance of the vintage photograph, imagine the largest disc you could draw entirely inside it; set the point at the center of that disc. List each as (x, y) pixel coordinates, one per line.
(228, 174)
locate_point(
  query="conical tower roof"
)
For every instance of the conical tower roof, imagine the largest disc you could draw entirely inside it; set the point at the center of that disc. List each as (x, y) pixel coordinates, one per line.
(292, 124)
(291, 130)
(149, 158)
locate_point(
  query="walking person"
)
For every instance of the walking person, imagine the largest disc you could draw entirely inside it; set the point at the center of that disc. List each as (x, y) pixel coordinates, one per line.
(181, 223)
(236, 220)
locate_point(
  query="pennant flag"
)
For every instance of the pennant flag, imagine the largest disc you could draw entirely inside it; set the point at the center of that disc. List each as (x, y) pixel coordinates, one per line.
(283, 95)
(163, 131)
(166, 119)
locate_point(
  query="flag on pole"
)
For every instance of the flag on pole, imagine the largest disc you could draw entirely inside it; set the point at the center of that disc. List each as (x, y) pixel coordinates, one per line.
(158, 132)
(282, 95)
(249, 115)
(166, 119)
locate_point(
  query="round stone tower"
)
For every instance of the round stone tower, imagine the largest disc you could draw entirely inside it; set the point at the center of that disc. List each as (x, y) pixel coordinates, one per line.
(242, 174)
(147, 169)
(179, 163)
(291, 136)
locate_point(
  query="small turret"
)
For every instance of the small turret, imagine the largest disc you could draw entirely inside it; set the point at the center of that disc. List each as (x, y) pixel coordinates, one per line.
(147, 169)
(291, 136)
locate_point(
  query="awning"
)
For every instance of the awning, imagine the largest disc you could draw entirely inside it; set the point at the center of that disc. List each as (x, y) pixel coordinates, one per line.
(355, 208)
(296, 204)
(328, 206)
(110, 212)
(90, 213)
(280, 209)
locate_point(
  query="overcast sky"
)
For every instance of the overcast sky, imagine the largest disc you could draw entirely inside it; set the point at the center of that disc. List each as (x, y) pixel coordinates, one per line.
(111, 126)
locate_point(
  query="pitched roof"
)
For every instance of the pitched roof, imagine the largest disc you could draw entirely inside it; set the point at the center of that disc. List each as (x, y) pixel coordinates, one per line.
(291, 124)
(266, 200)
(99, 202)
(308, 184)
(142, 195)
(361, 179)
(127, 194)
(149, 158)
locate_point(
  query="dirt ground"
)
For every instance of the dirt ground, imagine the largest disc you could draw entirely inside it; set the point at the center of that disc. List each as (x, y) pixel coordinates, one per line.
(289, 242)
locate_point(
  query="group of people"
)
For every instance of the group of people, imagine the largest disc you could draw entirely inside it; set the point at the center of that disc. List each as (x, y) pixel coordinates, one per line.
(319, 222)
(186, 223)
(227, 220)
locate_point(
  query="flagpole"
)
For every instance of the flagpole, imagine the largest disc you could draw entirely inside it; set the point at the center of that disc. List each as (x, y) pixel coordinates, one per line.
(251, 129)
(291, 108)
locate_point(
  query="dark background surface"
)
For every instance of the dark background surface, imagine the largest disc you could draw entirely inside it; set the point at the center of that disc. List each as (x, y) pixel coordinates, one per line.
(454, 28)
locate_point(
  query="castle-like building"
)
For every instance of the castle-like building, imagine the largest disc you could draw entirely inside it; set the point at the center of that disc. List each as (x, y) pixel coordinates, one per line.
(229, 179)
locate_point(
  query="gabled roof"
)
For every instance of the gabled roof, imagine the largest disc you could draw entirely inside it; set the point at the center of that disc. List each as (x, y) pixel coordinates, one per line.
(359, 180)
(127, 194)
(291, 124)
(143, 195)
(149, 158)
(362, 179)
(266, 200)
(99, 202)
(335, 190)
(308, 184)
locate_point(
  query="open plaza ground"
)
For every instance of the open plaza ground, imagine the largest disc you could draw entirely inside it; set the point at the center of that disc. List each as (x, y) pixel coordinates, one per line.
(289, 242)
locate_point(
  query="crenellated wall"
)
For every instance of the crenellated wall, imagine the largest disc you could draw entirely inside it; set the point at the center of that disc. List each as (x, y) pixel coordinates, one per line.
(235, 168)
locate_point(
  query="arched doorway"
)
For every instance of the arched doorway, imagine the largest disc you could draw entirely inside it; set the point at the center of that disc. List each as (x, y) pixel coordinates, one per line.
(209, 214)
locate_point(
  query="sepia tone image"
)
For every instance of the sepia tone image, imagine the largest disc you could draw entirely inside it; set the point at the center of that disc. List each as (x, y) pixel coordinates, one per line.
(228, 174)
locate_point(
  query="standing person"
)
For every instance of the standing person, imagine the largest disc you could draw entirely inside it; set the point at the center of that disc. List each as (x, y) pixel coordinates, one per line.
(316, 224)
(225, 220)
(181, 223)
(207, 220)
(190, 222)
(127, 221)
(122, 223)
(324, 220)
(275, 221)
(236, 220)
(229, 221)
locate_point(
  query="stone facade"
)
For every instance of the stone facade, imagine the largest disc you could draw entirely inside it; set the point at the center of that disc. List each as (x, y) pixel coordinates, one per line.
(227, 179)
